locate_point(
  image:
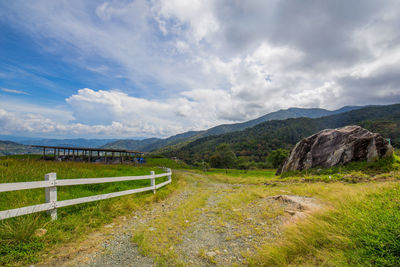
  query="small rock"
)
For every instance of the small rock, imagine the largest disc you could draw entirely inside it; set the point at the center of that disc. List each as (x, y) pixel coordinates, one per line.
(40, 232)
(211, 254)
(291, 212)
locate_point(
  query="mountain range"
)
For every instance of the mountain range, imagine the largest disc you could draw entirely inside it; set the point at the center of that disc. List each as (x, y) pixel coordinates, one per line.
(179, 140)
(253, 139)
(258, 141)
(11, 148)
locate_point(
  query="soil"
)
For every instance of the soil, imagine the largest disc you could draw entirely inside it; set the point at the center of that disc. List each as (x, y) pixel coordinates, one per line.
(217, 237)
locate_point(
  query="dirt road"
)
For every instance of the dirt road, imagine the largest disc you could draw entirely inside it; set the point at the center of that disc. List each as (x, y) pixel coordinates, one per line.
(204, 223)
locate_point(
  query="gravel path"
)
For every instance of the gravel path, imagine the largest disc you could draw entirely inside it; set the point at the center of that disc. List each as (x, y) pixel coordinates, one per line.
(219, 236)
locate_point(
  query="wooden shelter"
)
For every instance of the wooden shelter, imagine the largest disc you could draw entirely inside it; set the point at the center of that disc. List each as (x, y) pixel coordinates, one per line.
(104, 155)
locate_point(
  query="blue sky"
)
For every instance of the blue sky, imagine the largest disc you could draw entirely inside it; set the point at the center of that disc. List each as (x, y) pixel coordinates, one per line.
(134, 69)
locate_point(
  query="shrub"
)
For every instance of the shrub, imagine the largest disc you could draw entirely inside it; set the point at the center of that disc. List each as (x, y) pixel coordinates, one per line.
(277, 157)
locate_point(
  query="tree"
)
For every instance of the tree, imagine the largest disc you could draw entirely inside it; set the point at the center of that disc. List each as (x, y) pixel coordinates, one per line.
(276, 157)
(223, 157)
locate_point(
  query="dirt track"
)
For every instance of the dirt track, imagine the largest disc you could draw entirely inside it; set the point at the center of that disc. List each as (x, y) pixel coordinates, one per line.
(230, 225)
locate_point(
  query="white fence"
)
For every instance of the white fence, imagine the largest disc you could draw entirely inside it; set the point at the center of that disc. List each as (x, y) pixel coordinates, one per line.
(51, 183)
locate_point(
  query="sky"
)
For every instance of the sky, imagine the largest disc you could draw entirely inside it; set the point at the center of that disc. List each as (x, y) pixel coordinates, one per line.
(155, 68)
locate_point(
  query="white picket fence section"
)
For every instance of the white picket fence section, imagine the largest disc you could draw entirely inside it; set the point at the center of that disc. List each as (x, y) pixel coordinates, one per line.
(51, 183)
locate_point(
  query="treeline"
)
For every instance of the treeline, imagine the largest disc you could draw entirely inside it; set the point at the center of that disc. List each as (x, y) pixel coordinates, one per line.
(253, 145)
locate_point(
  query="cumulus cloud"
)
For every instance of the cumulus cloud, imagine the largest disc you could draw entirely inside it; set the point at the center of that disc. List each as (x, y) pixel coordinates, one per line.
(195, 64)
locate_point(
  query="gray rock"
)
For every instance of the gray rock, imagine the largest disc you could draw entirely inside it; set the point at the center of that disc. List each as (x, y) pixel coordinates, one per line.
(333, 147)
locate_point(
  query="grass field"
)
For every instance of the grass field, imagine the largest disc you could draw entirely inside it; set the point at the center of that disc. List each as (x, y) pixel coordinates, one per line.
(233, 176)
(358, 226)
(17, 240)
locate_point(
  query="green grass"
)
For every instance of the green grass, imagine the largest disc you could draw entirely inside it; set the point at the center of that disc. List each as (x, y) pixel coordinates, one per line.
(233, 176)
(360, 228)
(165, 162)
(351, 172)
(18, 243)
(159, 237)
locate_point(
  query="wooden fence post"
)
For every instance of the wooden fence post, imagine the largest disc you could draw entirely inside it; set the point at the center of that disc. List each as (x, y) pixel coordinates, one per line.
(153, 181)
(51, 194)
(169, 172)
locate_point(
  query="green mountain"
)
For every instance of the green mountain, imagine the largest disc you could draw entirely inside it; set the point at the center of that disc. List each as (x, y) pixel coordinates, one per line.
(258, 141)
(12, 148)
(151, 144)
(277, 115)
(139, 145)
(177, 141)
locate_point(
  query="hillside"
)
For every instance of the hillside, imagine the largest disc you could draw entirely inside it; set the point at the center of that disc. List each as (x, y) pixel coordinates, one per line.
(12, 148)
(151, 144)
(277, 115)
(258, 141)
(179, 140)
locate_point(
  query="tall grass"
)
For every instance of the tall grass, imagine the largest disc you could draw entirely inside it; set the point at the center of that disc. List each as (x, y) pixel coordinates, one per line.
(18, 243)
(362, 229)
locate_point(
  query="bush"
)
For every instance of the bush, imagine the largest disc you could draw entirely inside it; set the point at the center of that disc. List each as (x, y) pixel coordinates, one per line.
(223, 157)
(277, 157)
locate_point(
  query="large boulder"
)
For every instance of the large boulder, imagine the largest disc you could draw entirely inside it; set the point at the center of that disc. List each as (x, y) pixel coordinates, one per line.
(333, 147)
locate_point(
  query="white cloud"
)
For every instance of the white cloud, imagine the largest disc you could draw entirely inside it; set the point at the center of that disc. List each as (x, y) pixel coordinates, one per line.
(196, 64)
(14, 91)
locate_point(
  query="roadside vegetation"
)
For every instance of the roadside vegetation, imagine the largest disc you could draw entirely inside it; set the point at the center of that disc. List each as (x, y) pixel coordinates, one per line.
(360, 227)
(19, 244)
(358, 223)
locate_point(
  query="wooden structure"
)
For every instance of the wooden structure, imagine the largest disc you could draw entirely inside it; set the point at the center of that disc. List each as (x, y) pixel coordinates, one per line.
(104, 155)
(51, 183)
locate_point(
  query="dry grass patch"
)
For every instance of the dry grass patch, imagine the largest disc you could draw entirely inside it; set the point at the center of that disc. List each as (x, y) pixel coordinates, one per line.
(359, 228)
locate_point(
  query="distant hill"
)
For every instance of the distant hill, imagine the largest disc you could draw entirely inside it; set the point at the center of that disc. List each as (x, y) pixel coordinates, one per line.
(151, 144)
(12, 148)
(277, 115)
(256, 142)
(130, 144)
(176, 141)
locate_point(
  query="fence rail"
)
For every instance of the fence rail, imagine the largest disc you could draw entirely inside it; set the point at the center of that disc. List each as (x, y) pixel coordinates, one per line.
(51, 183)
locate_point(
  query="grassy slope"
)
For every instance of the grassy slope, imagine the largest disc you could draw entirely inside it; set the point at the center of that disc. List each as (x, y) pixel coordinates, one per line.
(359, 226)
(17, 240)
